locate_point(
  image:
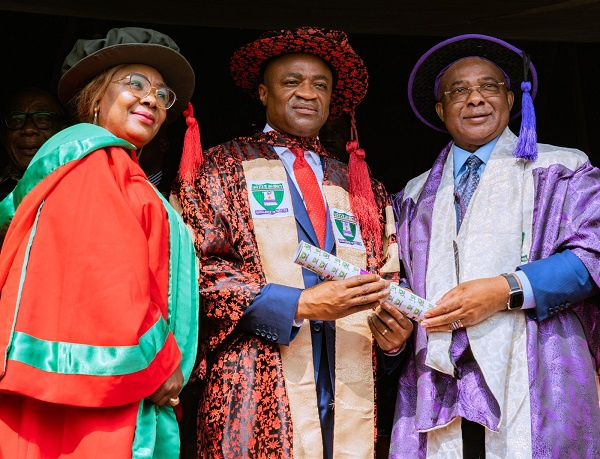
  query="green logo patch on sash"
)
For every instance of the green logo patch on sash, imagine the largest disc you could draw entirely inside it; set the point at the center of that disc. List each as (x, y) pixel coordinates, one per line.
(269, 196)
(346, 225)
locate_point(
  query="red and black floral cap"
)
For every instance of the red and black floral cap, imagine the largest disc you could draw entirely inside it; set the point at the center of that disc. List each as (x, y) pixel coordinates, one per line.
(331, 46)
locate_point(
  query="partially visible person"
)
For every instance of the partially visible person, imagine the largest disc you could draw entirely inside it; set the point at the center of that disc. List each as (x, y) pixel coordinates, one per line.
(30, 116)
(503, 233)
(98, 313)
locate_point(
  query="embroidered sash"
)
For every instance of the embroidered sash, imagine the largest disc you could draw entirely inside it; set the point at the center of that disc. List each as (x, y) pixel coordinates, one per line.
(277, 238)
(490, 241)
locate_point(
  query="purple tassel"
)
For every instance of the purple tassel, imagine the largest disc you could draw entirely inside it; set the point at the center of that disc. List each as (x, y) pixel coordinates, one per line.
(527, 145)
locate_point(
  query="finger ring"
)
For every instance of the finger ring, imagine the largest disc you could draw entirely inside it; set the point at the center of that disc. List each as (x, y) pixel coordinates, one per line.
(456, 325)
(174, 401)
(385, 331)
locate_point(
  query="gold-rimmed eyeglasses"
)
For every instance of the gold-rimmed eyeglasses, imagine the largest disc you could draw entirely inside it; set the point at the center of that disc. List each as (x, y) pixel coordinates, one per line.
(140, 87)
(461, 93)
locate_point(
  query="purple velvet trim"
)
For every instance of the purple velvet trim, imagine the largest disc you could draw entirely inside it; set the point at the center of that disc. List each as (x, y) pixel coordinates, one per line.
(413, 241)
(423, 58)
(563, 351)
(436, 86)
(413, 232)
(411, 101)
(527, 145)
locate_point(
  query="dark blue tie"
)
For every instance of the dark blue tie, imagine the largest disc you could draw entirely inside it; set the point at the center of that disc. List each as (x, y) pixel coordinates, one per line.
(466, 187)
(462, 194)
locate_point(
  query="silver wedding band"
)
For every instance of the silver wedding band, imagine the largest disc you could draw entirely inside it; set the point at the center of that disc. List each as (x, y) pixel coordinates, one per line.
(456, 325)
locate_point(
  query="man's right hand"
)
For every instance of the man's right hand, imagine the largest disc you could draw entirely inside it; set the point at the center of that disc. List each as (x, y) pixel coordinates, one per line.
(335, 299)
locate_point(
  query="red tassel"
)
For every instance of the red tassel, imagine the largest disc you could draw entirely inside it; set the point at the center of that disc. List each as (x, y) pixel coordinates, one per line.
(362, 199)
(191, 157)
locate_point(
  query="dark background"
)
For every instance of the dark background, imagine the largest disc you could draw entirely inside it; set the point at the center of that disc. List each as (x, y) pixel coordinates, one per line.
(398, 146)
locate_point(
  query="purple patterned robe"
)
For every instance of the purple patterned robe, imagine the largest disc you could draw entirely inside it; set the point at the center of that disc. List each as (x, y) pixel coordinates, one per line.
(563, 351)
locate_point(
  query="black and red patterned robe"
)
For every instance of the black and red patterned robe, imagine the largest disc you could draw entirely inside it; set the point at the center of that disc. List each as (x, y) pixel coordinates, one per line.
(243, 405)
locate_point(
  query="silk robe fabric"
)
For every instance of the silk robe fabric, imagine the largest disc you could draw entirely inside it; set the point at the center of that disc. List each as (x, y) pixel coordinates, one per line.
(99, 300)
(244, 407)
(562, 352)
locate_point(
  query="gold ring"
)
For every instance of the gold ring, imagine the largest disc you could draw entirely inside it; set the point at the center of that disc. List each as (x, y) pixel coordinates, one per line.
(385, 331)
(174, 401)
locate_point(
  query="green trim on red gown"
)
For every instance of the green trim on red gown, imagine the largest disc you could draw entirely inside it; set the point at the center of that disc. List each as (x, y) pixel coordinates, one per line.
(99, 269)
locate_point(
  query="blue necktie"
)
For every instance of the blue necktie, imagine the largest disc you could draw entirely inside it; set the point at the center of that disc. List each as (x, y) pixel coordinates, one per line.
(466, 187)
(462, 194)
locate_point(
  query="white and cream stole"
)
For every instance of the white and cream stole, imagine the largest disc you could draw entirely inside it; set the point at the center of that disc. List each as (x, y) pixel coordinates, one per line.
(277, 238)
(494, 238)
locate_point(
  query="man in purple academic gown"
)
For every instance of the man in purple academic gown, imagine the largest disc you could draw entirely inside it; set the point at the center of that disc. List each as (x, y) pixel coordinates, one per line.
(503, 234)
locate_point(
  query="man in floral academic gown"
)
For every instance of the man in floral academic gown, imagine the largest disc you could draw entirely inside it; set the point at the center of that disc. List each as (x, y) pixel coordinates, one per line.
(286, 365)
(502, 233)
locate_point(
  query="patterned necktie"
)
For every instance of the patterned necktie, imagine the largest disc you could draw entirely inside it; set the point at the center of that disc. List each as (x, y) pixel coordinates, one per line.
(463, 193)
(311, 191)
(467, 186)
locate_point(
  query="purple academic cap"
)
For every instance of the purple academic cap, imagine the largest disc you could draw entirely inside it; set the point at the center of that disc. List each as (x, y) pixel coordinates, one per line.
(514, 63)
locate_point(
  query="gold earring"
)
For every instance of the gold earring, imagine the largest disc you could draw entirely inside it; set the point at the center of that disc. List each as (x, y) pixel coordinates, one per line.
(96, 116)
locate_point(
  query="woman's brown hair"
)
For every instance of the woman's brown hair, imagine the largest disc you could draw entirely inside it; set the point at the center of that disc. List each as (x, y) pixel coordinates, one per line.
(92, 93)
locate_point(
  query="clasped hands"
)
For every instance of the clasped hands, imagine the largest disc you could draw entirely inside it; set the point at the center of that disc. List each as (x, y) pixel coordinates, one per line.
(334, 300)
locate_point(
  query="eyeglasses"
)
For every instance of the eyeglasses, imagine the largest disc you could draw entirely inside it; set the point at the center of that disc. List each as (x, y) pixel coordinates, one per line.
(462, 94)
(140, 87)
(41, 120)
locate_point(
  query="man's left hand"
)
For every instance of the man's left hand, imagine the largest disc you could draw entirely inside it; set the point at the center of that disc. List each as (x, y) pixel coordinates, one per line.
(389, 326)
(470, 302)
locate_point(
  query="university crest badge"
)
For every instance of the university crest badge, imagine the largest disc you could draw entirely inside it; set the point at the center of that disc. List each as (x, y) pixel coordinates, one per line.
(346, 229)
(269, 199)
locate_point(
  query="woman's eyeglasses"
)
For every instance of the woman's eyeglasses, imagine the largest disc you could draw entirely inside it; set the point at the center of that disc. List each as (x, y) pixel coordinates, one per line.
(140, 87)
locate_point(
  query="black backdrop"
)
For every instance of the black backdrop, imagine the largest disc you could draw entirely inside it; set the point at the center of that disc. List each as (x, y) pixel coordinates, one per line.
(398, 146)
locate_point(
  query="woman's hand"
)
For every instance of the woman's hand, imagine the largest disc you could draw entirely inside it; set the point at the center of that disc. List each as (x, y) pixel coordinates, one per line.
(168, 392)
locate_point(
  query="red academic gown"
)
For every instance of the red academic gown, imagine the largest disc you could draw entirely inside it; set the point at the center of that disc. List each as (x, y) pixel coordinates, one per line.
(84, 332)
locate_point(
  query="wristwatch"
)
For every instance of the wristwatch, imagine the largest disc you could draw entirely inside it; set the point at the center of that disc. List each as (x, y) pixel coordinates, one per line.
(515, 295)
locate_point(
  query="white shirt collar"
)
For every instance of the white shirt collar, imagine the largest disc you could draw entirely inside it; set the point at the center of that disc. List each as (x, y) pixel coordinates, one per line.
(312, 158)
